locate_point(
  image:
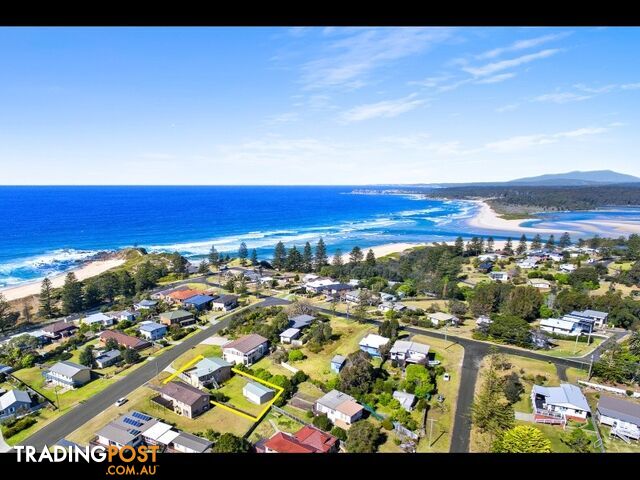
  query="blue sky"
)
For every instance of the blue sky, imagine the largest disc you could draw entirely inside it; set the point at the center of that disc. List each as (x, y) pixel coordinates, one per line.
(315, 105)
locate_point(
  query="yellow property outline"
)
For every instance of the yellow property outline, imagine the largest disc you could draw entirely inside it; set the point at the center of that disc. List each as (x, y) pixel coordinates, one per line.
(226, 407)
(267, 406)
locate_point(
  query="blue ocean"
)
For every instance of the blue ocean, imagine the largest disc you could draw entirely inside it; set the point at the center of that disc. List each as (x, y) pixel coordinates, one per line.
(47, 230)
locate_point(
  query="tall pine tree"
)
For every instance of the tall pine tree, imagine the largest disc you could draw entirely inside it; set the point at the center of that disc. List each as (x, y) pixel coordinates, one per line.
(307, 258)
(279, 256)
(71, 294)
(321, 255)
(47, 308)
(522, 246)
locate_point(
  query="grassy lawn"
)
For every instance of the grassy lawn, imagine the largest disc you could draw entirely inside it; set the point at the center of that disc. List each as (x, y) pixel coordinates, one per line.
(568, 348)
(317, 365)
(268, 364)
(45, 416)
(216, 418)
(616, 445)
(202, 349)
(271, 422)
(233, 389)
(451, 356)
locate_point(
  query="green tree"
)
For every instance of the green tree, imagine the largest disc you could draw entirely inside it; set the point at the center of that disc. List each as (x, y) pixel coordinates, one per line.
(513, 388)
(111, 344)
(363, 437)
(339, 433)
(511, 329)
(178, 263)
(307, 258)
(536, 243)
(490, 412)
(126, 283)
(490, 244)
(203, 267)
(459, 246)
(279, 256)
(357, 377)
(524, 302)
(565, 240)
(8, 318)
(356, 255)
(577, 441)
(337, 260)
(243, 253)
(322, 422)
(522, 439)
(214, 257)
(321, 255)
(91, 294)
(522, 245)
(550, 244)
(508, 247)
(230, 443)
(634, 344)
(254, 257)
(86, 356)
(294, 260)
(71, 294)
(370, 261)
(47, 308)
(130, 356)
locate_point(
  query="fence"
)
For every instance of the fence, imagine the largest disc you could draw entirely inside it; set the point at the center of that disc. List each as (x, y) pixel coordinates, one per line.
(291, 368)
(606, 388)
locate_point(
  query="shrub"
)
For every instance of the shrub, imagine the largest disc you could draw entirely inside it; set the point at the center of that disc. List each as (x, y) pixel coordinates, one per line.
(387, 424)
(339, 433)
(322, 422)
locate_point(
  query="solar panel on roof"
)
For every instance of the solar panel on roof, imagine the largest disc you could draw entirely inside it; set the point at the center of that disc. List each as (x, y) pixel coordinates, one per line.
(131, 421)
(141, 416)
(134, 432)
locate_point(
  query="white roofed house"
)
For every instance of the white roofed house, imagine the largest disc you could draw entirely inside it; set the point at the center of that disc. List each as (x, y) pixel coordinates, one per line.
(556, 405)
(246, 350)
(372, 344)
(98, 318)
(499, 276)
(319, 285)
(68, 374)
(409, 352)
(483, 320)
(14, 402)
(340, 408)
(289, 335)
(567, 267)
(540, 283)
(560, 326)
(439, 318)
(623, 416)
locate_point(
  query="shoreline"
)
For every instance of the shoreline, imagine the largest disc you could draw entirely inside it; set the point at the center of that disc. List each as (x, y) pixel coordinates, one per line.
(82, 272)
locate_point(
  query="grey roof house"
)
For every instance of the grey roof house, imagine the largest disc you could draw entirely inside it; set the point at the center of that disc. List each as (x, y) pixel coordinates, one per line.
(13, 403)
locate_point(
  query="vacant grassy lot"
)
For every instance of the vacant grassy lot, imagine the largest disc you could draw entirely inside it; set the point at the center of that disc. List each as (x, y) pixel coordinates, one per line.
(202, 349)
(273, 423)
(233, 389)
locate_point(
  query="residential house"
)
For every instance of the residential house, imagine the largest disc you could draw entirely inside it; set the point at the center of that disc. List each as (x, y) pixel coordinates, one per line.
(121, 315)
(301, 321)
(409, 352)
(164, 294)
(407, 400)
(499, 276)
(488, 257)
(540, 283)
(225, 303)
(152, 331)
(209, 372)
(556, 257)
(340, 408)
(483, 320)
(439, 318)
(583, 323)
(68, 374)
(185, 399)
(320, 285)
(372, 344)
(199, 302)
(14, 402)
(98, 319)
(306, 440)
(246, 350)
(126, 341)
(145, 305)
(136, 428)
(528, 263)
(559, 326)
(108, 358)
(59, 330)
(337, 363)
(177, 317)
(559, 404)
(289, 334)
(179, 296)
(339, 290)
(257, 393)
(599, 318)
(623, 416)
(387, 297)
(485, 267)
(567, 267)
(352, 296)
(385, 307)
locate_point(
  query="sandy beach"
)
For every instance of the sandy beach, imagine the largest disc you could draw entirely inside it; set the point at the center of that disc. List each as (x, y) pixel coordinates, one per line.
(89, 270)
(488, 219)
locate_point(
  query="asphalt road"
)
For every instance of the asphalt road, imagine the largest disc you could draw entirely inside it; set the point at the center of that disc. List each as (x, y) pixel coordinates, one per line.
(71, 421)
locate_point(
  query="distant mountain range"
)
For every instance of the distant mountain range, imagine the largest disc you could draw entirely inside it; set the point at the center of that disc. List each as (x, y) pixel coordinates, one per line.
(576, 178)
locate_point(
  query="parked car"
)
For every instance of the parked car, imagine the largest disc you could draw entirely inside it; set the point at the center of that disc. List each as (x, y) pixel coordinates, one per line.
(121, 401)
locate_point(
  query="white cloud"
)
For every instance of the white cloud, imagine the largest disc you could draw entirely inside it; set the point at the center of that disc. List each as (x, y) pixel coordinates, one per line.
(497, 78)
(491, 68)
(561, 97)
(508, 108)
(630, 86)
(522, 45)
(350, 60)
(287, 117)
(386, 109)
(523, 142)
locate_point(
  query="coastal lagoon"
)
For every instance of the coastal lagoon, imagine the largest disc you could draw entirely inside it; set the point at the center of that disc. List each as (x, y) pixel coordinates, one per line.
(47, 230)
